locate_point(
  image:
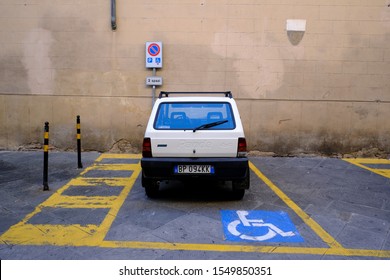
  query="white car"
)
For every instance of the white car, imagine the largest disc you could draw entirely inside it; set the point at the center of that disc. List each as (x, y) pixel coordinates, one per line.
(195, 135)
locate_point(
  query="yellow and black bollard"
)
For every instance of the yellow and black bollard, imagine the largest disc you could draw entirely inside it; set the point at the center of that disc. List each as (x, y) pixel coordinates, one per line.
(46, 157)
(78, 128)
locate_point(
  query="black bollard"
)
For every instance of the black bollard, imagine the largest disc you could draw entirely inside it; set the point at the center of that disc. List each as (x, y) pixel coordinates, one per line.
(78, 128)
(46, 157)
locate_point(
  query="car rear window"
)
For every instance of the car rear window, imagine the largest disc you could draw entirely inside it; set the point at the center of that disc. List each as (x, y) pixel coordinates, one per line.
(191, 115)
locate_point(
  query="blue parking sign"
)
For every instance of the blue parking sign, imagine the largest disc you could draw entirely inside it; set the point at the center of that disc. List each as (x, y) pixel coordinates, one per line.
(259, 226)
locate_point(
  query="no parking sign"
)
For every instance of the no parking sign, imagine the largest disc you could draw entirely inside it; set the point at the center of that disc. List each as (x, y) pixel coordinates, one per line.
(153, 52)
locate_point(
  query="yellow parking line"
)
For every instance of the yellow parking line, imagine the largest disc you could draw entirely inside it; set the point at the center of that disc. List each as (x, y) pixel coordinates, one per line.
(67, 201)
(45, 234)
(88, 182)
(362, 161)
(110, 167)
(368, 160)
(245, 248)
(118, 156)
(326, 237)
(383, 172)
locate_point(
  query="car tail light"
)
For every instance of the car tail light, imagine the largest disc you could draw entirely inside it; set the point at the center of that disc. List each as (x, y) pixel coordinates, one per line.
(147, 148)
(241, 149)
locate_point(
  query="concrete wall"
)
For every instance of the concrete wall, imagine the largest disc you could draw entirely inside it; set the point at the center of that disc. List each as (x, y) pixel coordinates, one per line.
(323, 90)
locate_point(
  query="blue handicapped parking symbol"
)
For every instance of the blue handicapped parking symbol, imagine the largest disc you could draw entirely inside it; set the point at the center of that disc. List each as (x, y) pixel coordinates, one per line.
(259, 226)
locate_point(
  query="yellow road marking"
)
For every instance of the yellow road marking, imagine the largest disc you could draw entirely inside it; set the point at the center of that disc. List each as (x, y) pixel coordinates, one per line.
(368, 160)
(326, 237)
(245, 248)
(118, 156)
(67, 201)
(111, 167)
(87, 182)
(362, 161)
(57, 235)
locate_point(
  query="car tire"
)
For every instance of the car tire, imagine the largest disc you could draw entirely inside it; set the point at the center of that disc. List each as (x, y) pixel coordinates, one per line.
(239, 187)
(151, 186)
(238, 194)
(152, 191)
(242, 184)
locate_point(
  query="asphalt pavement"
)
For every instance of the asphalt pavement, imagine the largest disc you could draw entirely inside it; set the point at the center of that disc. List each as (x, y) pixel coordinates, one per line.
(296, 208)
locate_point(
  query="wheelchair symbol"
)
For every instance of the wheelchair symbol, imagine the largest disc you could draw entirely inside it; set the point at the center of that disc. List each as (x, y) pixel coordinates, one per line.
(271, 233)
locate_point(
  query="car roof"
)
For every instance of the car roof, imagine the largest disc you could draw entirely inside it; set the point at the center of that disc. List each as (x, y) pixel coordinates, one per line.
(197, 93)
(195, 99)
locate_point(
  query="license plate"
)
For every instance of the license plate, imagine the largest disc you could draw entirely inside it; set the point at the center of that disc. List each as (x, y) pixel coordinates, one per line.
(194, 169)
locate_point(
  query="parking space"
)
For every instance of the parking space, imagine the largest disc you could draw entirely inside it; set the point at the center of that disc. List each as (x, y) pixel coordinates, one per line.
(297, 208)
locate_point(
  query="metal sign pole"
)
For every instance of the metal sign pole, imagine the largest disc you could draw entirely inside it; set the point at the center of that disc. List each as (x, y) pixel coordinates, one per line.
(153, 95)
(153, 89)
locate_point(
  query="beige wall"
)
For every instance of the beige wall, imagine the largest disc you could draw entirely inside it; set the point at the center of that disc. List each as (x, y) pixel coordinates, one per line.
(328, 92)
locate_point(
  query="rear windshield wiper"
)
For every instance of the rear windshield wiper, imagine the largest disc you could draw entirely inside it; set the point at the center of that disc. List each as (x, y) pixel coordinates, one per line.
(208, 125)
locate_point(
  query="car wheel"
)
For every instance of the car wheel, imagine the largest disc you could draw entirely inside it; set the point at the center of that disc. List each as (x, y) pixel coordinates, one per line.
(242, 184)
(239, 187)
(238, 194)
(151, 186)
(152, 191)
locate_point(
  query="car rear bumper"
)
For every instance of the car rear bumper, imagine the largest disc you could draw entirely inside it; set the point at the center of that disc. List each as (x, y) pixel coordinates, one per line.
(224, 168)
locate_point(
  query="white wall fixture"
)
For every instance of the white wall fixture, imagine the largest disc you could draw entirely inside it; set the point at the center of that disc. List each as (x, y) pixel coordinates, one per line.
(296, 25)
(295, 28)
